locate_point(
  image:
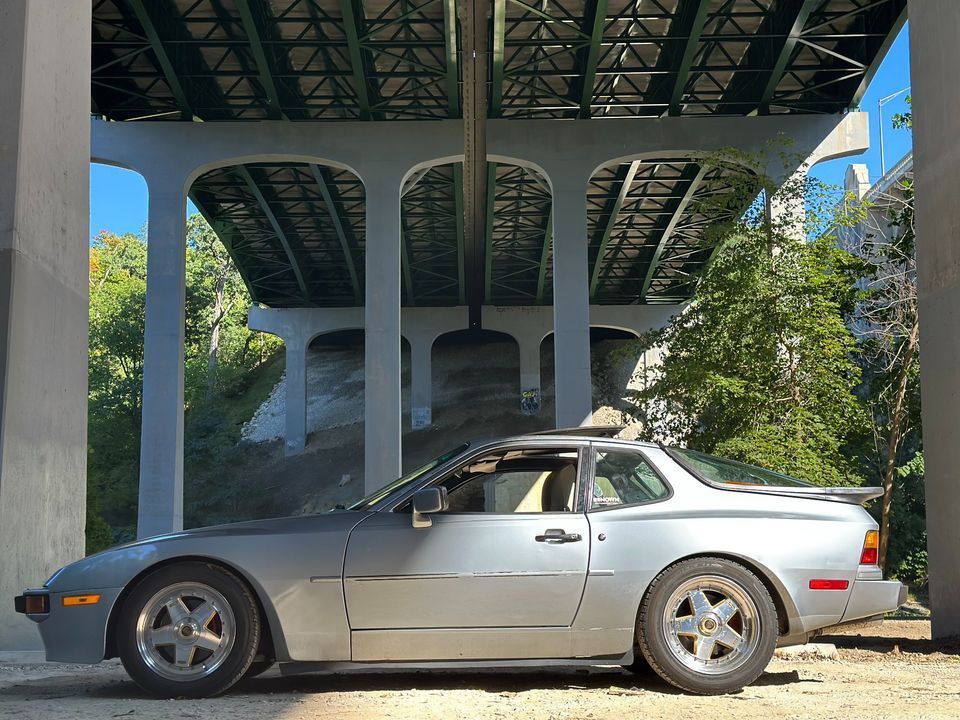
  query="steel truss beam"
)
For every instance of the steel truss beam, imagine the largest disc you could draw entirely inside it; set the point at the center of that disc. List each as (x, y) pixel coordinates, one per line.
(242, 172)
(613, 211)
(786, 53)
(347, 241)
(695, 178)
(256, 33)
(163, 59)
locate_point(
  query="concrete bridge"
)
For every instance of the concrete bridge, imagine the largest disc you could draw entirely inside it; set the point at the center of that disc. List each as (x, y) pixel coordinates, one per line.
(408, 173)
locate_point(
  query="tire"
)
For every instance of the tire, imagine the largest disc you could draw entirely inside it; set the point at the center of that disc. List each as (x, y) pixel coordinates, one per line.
(188, 630)
(707, 626)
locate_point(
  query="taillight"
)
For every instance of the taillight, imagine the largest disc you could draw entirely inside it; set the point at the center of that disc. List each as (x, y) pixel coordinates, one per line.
(871, 545)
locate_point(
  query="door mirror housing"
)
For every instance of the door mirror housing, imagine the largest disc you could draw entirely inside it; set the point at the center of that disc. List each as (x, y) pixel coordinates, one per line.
(427, 501)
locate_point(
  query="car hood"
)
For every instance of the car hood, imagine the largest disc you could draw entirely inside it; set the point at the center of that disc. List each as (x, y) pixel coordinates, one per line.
(115, 566)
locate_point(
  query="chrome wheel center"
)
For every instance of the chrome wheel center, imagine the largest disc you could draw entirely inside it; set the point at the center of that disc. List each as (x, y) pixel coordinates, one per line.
(185, 631)
(711, 625)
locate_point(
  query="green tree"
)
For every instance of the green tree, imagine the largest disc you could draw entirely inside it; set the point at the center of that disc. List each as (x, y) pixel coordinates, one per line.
(221, 357)
(759, 365)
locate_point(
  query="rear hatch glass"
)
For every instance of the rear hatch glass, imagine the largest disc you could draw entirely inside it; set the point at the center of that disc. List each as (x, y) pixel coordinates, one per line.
(730, 472)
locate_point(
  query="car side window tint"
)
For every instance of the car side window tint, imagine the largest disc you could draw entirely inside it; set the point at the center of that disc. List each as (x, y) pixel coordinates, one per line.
(526, 488)
(624, 477)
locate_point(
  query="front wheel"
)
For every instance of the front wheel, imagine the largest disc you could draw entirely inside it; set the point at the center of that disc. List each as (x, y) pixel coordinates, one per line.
(707, 626)
(188, 630)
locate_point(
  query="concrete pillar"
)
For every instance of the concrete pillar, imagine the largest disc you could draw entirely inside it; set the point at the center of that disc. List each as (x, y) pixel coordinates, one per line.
(382, 422)
(295, 438)
(161, 434)
(421, 381)
(935, 61)
(571, 299)
(530, 397)
(44, 251)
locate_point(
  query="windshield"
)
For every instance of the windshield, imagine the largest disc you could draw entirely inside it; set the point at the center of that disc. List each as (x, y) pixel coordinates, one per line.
(370, 500)
(730, 472)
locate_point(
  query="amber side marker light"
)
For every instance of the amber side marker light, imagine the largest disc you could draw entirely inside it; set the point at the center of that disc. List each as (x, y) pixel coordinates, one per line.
(871, 544)
(829, 584)
(73, 600)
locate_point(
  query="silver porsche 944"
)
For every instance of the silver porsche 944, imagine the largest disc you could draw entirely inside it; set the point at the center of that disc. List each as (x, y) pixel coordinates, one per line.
(568, 546)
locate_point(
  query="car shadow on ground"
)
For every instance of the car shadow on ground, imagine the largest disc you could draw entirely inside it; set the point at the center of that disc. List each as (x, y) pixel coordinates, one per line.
(498, 682)
(948, 646)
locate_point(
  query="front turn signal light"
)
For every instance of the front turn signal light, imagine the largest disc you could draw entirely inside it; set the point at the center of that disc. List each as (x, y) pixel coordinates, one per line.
(871, 546)
(74, 600)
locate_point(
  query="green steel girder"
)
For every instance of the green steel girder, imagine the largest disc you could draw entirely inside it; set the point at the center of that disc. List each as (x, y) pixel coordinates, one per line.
(245, 175)
(253, 26)
(595, 17)
(613, 212)
(163, 59)
(352, 13)
(786, 52)
(347, 242)
(692, 25)
(694, 177)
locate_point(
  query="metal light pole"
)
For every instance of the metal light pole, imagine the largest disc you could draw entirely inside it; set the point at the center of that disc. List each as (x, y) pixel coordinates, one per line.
(880, 104)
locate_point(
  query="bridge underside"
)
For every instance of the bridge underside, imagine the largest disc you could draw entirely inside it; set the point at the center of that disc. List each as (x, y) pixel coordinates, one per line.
(297, 231)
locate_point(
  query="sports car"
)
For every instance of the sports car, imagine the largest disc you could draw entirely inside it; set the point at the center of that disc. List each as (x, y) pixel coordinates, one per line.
(569, 546)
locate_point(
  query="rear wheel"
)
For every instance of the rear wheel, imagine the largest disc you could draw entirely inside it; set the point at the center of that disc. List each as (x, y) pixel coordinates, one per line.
(188, 630)
(708, 626)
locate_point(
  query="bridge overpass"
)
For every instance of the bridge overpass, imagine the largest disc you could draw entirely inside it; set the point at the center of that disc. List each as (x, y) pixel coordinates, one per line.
(399, 158)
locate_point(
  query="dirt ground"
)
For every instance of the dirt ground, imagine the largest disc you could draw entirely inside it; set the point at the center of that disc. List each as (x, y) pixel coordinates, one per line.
(891, 671)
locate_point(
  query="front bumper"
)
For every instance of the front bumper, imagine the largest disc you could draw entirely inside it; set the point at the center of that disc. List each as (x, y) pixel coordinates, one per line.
(869, 598)
(74, 634)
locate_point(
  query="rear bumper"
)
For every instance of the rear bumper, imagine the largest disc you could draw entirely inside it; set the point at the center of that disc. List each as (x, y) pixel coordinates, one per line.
(874, 597)
(75, 634)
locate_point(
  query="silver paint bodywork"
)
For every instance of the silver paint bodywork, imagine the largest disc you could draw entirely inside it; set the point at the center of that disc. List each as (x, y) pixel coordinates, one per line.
(366, 586)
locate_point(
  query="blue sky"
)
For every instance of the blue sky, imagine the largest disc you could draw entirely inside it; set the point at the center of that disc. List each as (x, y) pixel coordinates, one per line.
(118, 198)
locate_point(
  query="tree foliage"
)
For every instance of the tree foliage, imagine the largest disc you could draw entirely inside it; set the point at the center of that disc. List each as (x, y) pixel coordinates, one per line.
(760, 365)
(118, 269)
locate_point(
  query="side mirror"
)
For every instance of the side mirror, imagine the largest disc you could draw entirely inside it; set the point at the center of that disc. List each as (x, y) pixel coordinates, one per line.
(427, 501)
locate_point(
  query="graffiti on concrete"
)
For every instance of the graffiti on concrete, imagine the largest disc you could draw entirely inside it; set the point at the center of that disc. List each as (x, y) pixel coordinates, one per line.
(530, 402)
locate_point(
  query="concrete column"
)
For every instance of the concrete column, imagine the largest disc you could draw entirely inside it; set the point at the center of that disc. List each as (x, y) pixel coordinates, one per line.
(935, 61)
(382, 422)
(530, 397)
(295, 438)
(161, 434)
(571, 298)
(421, 381)
(44, 251)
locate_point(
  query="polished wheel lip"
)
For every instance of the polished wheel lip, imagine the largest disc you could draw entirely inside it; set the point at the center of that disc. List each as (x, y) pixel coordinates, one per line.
(695, 640)
(186, 631)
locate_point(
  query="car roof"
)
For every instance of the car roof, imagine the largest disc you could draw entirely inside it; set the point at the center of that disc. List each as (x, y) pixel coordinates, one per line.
(586, 433)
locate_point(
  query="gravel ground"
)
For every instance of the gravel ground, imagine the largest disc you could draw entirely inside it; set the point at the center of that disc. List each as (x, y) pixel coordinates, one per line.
(893, 671)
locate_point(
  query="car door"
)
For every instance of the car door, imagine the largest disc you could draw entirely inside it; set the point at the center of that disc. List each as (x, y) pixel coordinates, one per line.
(511, 552)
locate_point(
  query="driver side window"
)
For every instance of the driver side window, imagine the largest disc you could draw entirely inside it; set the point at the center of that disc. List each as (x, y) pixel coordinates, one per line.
(523, 485)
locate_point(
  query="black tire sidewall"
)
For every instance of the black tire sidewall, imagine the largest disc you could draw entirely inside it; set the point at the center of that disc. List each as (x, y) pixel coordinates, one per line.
(246, 616)
(653, 643)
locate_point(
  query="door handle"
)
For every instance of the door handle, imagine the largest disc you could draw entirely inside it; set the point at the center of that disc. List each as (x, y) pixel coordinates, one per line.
(556, 536)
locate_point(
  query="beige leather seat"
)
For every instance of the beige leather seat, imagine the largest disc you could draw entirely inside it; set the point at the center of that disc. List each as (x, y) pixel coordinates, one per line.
(559, 489)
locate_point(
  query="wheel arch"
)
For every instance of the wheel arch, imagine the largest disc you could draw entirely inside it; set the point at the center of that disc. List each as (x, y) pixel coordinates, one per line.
(273, 639)
(786, 609)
